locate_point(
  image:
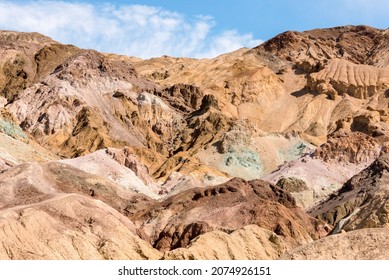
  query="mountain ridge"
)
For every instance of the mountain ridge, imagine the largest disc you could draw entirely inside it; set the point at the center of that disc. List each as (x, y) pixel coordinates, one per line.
(176, 153)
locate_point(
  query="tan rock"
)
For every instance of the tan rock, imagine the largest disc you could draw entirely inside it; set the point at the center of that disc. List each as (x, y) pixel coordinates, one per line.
(248, 243)
(363, 244)
(341, 76)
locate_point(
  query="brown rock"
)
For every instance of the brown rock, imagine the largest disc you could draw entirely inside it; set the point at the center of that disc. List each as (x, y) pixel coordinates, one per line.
(292, 184)
(348, 148)
(227, 207)
(314, 47)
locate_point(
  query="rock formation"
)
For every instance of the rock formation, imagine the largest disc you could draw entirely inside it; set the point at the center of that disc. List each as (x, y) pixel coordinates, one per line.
(362, 202)
(348, 153)
(248, 243)
(259, 152)
(174, 222)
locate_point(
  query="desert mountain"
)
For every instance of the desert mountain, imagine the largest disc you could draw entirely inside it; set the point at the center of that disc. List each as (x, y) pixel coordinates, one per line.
(262, 152)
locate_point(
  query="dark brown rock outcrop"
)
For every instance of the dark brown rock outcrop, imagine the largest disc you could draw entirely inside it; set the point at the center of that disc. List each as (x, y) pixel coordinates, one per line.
(227, 207)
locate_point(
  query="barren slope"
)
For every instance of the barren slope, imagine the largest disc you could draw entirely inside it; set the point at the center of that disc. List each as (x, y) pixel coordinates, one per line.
(305, 110)
(247, 243)
(53, 211)
(362, 244)
(362, 202)
(347, 153)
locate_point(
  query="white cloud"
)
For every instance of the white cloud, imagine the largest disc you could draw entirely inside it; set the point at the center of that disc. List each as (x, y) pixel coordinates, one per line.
(136, 30)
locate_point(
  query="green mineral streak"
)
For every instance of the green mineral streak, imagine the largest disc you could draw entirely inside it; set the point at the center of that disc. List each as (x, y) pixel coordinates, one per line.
(12, 130)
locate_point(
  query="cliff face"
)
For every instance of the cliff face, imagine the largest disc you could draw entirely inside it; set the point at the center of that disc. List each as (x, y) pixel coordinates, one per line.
(173, 153)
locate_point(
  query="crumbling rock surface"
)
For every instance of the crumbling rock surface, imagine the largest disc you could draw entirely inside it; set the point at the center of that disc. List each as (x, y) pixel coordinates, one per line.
(176, 129)
(292, 184)
(310, 49)
(343, 77)
(227, 207)
(186, 98)
(119, 166)
(347, 148)
(362, 202)
(17, 63)
(347, 153)
(90, 102)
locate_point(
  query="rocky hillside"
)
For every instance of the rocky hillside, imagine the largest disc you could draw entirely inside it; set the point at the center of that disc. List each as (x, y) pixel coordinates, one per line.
(362, 202)
(261, 152)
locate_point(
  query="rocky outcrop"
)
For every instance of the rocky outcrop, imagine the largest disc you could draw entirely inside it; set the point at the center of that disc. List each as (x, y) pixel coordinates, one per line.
(127, 157)
(292, 184)
(362, 202)
(300, 191)
(90, 102)
(309, 50)
(346, 148)
(17, 63)
(297, 110)
(348, 153)
(186, 98)
(343, 77)
(227, 207)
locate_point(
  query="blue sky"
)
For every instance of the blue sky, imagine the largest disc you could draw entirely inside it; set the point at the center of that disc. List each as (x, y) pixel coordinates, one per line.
(196, 28)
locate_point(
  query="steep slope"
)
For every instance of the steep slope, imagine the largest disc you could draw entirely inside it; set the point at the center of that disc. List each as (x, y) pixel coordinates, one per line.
(362, 202)
(219, 116)
(305, 111)
(15, 146)
(88, 103)
(17, 62)
(311, 49)
(281, 76)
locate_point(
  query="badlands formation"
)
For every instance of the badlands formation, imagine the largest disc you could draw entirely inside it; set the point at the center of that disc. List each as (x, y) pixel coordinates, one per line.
(275, 152)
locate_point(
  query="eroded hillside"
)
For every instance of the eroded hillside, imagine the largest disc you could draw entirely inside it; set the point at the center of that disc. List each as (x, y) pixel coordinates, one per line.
(267, 148)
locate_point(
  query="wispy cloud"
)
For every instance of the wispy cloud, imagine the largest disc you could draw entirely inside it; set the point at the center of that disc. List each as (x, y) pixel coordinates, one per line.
(136, 30)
